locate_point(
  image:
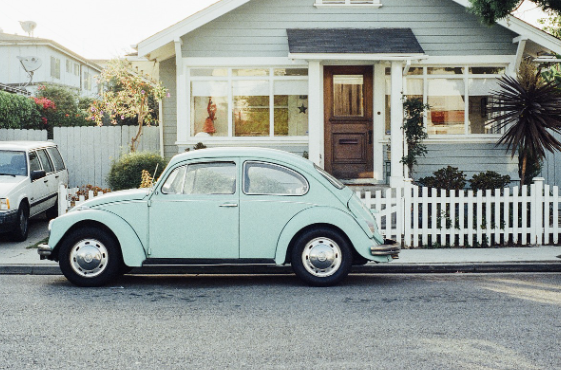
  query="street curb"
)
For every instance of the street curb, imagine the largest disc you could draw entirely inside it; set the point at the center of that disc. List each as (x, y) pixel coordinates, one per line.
(412, 268)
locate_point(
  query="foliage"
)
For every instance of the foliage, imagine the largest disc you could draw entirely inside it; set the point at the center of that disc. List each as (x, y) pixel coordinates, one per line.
(449, 178)
(414, 131)
(126, 173)
(147, 180)
(490, 11)
(530, 112)
(65, 111)
(129, 98)
(489, 180)
(18, 112)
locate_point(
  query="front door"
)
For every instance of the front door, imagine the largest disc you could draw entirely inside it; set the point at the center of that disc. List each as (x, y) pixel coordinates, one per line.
(348, 121)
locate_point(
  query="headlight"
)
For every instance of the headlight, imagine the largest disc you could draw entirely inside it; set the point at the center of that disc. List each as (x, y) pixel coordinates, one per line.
(4, 204)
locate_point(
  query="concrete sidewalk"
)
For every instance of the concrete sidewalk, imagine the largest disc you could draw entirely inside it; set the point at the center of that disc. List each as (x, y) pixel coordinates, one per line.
(18, 258)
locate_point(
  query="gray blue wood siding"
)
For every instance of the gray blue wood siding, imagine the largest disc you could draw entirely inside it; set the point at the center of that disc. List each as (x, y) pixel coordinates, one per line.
(169, 80)
(258, 28)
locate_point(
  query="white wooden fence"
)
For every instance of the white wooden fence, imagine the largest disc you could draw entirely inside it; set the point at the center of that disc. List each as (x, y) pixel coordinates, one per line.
(427, 217)
(34, 135)
(90, 151)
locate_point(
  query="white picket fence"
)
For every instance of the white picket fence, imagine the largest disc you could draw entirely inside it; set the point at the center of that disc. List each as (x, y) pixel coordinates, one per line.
(12, 134)
(426, 217)
(71, 197)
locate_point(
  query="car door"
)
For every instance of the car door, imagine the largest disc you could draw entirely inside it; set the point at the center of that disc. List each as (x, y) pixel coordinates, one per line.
(195, 214)
(39, 188)
(50, 178)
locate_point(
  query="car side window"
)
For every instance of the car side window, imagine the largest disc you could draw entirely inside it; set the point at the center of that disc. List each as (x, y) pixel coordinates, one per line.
(268, 178)
(34, 164)
(202, 178)
(46, 161)
(56, 158)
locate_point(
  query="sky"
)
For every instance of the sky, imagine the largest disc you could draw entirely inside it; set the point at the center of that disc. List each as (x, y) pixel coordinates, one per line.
(105, 29)
(101, 29)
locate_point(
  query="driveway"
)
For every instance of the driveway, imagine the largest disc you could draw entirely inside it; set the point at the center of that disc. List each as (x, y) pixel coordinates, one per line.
(12, 252)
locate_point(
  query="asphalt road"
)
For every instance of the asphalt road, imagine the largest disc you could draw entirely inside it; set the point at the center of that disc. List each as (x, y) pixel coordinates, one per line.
(498, 321)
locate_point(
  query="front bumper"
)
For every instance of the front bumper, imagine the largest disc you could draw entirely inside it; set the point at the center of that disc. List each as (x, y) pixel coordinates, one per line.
(389, 248)
(8, 219)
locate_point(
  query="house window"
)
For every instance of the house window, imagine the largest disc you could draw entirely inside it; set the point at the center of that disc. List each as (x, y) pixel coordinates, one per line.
(250, 102)
(87, 81)
(76, 69)
(458, 98)
(376, 3)
(55, 67)
(68, 66)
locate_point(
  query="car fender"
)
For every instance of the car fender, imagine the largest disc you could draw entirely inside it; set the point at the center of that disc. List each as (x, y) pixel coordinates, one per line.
(323, 215)
(131, 246)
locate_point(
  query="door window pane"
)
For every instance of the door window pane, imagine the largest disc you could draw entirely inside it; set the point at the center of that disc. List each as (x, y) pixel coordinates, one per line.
(209, 111)
(268, 178)
(56, 158)
(446, 99)
(34, 164)
(348, 96)
(47, 165)
(203, 178)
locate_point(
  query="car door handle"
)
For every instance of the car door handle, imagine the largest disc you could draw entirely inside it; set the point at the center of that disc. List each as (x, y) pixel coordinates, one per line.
(46, 181)
(229, 205)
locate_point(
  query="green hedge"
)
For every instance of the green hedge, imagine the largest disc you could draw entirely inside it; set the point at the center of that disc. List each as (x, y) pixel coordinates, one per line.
(18, 112)
(126, 173)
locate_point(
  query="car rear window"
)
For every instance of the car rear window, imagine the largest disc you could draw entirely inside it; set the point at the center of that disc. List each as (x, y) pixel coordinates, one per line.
(338, 184)
(272, 179)
(56, 158)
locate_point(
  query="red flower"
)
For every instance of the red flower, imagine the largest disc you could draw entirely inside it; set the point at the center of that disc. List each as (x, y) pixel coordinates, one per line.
(44, 120)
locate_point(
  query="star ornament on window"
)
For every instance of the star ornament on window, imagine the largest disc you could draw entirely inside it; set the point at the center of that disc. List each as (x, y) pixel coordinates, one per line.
(303, 108)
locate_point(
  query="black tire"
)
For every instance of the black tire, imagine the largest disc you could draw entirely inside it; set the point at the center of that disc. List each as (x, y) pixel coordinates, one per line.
(52, 212)
(21, 228)
(322, 257)
(90, 257)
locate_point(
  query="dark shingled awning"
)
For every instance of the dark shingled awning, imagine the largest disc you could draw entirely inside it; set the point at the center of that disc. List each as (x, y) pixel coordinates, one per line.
(353, 41)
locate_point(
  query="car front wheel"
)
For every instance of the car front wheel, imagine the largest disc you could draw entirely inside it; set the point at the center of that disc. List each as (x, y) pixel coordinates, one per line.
(90, 257)
(22, 225)
(321, 257)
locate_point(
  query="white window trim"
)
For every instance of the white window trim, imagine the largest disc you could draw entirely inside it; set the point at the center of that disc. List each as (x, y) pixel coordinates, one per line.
(352, 3)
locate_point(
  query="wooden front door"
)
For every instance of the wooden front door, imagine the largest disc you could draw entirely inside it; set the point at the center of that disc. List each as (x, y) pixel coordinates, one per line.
(348, 121)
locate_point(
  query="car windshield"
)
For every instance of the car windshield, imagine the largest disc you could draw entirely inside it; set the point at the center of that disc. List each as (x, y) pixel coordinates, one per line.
(12, 163)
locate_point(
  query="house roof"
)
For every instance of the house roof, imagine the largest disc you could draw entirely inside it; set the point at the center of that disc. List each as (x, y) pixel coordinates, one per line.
(9, 39)
(175, 32)
(353, 41)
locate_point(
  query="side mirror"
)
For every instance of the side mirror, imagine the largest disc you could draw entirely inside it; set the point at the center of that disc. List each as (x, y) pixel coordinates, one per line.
(35, 175)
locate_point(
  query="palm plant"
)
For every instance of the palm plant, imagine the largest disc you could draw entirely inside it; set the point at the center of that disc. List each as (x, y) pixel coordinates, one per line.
(529, 111)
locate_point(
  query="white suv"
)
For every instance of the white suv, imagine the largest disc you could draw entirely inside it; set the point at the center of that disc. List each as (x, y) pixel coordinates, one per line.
(30, 174)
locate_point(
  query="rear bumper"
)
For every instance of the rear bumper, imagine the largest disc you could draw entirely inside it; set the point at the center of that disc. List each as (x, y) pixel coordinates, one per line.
(389, 248)
(44, 251)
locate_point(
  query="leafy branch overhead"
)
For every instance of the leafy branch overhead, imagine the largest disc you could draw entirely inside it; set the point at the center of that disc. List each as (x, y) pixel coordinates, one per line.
(490, 11)
(129, 99)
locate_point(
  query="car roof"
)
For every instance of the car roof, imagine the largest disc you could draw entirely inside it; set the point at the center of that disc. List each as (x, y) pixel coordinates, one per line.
(25, 145)
(246, 152)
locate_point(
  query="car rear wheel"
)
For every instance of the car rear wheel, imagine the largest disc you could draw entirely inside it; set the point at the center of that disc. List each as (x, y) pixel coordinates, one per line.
(90, 257)
(21, 229)
(321, 257)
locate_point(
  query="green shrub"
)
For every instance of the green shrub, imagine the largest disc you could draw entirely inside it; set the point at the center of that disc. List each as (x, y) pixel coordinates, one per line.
(18, 112)
(445, 178)
(126, 173)
(489, 180)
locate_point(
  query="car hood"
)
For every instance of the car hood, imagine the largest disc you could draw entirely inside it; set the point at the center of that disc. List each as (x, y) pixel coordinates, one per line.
(117, 196)
(9, 183)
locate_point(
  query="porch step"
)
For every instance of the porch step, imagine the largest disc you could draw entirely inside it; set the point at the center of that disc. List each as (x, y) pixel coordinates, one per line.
(363, 188)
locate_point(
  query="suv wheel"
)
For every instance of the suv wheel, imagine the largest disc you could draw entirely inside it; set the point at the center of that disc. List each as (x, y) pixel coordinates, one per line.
(22, 225)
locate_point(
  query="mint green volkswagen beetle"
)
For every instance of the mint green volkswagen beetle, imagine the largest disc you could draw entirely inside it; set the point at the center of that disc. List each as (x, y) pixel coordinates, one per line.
(222, 206)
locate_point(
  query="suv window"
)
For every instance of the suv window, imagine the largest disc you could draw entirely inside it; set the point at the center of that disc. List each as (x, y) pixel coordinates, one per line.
(202, 178)
(34, 164)
(46, 161)
(268, 178)
(13, 163)
(56, 158)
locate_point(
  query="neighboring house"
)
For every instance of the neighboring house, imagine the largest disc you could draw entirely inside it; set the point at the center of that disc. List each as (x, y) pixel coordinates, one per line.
(57, 65)
(327, 77)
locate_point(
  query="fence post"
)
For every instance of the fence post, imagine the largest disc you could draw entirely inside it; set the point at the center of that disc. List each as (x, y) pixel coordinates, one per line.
(62, 199)
(537, 211)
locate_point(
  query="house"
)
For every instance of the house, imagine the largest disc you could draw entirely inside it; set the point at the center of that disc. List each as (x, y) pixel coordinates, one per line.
(327, 77)
(47, 62)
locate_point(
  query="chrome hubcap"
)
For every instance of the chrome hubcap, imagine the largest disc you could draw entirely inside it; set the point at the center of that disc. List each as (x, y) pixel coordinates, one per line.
(322, 257)
(89, 258)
